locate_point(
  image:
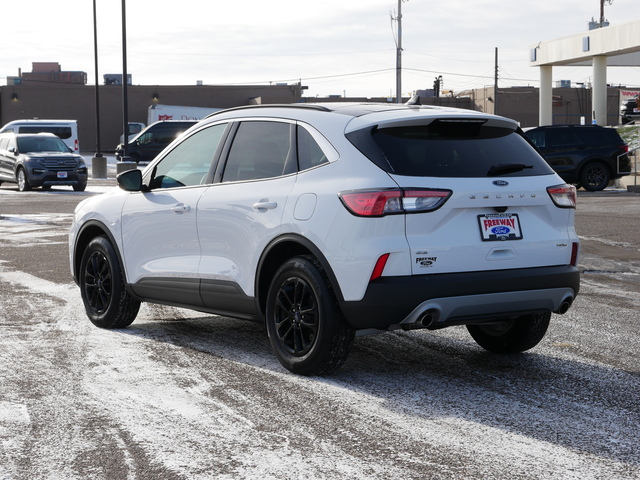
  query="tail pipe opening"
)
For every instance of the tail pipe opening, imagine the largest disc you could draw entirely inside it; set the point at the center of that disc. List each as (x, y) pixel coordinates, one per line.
(564, 306)
(429, 318)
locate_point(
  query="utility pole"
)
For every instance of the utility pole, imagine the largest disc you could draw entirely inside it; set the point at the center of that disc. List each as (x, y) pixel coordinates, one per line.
(495, 86)
(398, 19)
(602, 2)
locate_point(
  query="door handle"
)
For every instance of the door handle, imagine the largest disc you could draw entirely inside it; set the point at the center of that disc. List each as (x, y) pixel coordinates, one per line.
(180, 208)
(264, 205)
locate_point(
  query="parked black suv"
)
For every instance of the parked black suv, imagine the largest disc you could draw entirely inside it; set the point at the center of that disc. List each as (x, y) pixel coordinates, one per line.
(152, 140)
(586, 155)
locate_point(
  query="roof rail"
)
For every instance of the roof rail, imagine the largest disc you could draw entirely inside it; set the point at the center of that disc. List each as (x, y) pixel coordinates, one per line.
(310, 106)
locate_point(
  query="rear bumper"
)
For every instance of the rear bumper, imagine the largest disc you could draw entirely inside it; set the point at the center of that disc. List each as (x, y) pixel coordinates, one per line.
(463, 298)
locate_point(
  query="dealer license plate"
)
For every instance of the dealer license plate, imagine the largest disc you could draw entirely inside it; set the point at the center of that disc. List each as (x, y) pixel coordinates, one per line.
(62, 174)
(500, 226)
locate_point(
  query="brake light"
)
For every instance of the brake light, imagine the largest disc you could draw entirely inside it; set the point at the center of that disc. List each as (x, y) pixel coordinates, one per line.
(377, 203)
(564, 196)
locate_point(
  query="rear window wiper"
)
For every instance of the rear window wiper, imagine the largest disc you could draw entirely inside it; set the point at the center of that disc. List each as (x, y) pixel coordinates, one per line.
(504, 168)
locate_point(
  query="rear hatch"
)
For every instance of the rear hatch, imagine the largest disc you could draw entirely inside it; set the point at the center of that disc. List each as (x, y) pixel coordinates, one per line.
(499, 214)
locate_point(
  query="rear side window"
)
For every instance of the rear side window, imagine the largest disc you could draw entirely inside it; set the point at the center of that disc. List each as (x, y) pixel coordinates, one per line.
(259, 150)
(309, 152)
(600, 137)
(449, 149)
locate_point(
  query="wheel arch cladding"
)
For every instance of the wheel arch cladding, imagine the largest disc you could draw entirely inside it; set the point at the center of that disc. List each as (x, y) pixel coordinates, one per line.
(279, 251)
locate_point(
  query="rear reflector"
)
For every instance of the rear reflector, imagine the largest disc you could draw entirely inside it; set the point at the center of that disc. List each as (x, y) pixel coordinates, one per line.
(380, 264)
(575, 248)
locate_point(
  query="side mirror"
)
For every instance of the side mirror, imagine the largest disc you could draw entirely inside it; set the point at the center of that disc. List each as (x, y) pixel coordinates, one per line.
(130, 180)
(13, 150)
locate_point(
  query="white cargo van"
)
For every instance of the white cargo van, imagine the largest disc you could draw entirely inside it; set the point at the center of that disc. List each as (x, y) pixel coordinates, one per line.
(67, 130)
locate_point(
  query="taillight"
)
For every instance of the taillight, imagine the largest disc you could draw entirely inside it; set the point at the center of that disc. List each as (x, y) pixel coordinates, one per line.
(76, 145)
(564, 196)
(377, 203)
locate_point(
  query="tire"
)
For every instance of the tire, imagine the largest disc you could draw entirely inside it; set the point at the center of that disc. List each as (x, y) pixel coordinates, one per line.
(595, 176)
(107, 303)
(80, 187)
(306, 329)
(23, 180)
(513, 336)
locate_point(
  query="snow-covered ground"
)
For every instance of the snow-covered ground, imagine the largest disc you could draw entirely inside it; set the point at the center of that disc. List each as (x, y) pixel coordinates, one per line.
(184, 395)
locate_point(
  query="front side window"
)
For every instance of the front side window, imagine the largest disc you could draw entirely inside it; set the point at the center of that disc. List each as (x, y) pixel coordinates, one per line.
(563, 137)
(259, 150)
(189, 162)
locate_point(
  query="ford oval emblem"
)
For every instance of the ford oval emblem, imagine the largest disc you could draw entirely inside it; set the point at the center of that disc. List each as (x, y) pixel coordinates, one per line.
(500, 183)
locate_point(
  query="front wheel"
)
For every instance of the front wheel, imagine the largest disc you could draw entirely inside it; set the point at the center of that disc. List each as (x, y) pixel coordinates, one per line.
(595, 176)
(306, 329)
(107, 303)
(23, 180)
(513, 336)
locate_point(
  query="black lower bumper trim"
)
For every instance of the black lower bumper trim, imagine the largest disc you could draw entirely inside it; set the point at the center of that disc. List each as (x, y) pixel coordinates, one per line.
(389, 300)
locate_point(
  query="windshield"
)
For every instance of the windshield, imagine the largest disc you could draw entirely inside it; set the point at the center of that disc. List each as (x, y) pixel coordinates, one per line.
(41, 144)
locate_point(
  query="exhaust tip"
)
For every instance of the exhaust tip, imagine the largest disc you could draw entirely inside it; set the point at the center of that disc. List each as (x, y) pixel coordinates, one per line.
(429, 317)
(564, 306)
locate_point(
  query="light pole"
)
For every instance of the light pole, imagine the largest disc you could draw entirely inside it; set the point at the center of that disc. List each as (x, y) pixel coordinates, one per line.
(125, 102)
(98, 162)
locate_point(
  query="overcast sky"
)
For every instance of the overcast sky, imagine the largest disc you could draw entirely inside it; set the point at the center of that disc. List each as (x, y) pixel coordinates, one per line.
(335, 47)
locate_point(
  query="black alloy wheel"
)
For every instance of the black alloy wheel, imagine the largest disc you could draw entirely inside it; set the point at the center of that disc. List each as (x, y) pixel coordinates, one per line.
(595, 176)
(106, 301)
(306, 329)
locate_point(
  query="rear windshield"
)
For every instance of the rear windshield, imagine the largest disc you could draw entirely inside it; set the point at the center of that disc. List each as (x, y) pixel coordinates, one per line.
(62, 132)
(450, 149)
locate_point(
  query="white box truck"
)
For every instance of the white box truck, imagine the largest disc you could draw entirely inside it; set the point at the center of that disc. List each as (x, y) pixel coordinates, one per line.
(158, 113)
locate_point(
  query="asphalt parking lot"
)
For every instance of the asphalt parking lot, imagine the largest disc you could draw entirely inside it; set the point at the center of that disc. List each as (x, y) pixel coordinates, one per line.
(184, 395)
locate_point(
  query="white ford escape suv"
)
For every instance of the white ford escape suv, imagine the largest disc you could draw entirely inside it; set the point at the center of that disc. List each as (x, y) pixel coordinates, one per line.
(327, 220)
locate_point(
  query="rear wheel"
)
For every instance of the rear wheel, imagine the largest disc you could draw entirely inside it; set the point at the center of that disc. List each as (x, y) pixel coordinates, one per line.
(23, 180)
(513, 336)
(107, 303)
(306, 329)
(595, 176)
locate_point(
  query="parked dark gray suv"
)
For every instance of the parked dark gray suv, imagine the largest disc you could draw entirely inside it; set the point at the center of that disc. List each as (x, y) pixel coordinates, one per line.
(40, 160)
(585, 155)
(152, 140)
